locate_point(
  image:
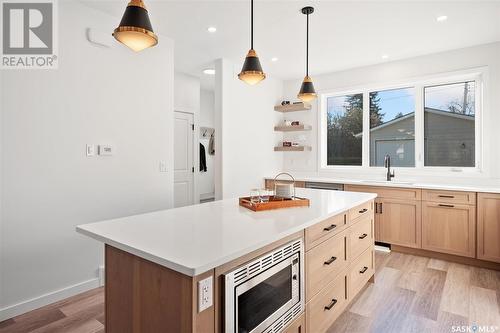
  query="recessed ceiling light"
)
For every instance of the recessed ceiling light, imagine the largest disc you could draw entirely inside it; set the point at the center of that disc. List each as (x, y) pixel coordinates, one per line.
(385, 56)
(211, 29)
(441, 18)
(274, 59)
(209, 71)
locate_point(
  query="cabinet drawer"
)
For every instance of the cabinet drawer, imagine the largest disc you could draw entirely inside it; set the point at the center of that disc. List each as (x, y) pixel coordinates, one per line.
(361, 236)
(364, 209)
(297, 326)
(320, 232)
(325, 307)
(388, 192)
(324, 262)
(361, 271)
(456, 197)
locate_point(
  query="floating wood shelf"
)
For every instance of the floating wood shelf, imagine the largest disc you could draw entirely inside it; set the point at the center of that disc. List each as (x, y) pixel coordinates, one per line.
(292, 128)
(293, 107)
(299, 148)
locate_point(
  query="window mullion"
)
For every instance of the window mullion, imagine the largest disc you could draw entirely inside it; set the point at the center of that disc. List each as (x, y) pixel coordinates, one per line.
(366, 130)
(419, 126)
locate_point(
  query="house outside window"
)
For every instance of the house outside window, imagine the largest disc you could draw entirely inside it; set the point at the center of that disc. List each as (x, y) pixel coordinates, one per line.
(421, 125)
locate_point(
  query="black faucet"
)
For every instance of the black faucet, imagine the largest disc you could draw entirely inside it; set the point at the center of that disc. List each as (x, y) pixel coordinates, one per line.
(387, 164)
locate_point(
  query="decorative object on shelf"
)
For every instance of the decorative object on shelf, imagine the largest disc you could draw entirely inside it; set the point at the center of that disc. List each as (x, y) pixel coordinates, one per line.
(287, 143)
(285, 103)
(251, 72)
(135, 30)
(299, 148)
(282, 189)
(300, 106)
(295, 123)
(307, 92)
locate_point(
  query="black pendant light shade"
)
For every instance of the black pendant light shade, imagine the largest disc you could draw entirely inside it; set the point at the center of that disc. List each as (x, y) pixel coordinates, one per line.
(307, 92)
(135, 30)
(251, 72)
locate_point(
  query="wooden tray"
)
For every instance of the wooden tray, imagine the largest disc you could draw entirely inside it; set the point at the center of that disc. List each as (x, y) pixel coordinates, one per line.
(274, 203)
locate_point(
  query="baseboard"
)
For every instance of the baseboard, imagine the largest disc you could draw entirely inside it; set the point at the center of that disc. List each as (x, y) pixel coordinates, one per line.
(49, 298)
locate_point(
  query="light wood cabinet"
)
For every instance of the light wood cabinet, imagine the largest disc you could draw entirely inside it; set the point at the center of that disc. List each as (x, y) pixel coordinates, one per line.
(488, 227)
(361, 271)
(398, 221)
(327, 306)
(297, 326)
(449, 228)
(360, 236)
(398, 214)
(324, 262)
(323, 230)
(454, 197)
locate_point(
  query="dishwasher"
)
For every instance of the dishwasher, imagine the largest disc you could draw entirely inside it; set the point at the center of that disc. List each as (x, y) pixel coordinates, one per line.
(325, 186)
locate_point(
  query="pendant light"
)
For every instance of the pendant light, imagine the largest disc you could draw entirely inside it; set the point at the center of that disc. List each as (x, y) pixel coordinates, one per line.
(251, 72)
(135, 30)
(307, 92)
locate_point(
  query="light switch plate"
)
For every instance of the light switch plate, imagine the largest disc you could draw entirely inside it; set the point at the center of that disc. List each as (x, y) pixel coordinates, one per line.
(90, 150)
(205, 293)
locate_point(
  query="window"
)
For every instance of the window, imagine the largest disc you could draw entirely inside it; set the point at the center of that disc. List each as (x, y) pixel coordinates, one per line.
(392, 127)
(449, 125)
(431, 123)
(344, 130)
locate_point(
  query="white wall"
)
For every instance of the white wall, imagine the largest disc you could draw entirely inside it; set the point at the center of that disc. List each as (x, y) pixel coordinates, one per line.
(484, 55)
(98, 95)
(245, 114)
(206, 183)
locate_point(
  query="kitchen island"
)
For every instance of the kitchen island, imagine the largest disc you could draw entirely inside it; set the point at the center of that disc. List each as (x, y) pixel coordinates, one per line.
(154, 261)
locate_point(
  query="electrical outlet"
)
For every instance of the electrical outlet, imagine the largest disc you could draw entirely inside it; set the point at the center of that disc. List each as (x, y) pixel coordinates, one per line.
(205, 293)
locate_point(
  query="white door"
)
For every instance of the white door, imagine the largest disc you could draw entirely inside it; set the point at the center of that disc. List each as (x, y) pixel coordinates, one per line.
(183, 159)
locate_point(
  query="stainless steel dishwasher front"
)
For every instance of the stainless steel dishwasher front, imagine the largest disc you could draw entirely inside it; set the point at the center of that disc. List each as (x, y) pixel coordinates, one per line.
(325, 186)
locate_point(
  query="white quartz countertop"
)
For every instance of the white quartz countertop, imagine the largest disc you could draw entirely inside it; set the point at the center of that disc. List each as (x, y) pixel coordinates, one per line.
(195, 239)
(488, 186)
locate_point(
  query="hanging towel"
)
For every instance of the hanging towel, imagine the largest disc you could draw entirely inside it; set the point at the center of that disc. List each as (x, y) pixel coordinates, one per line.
(211, 145)
(203, 159)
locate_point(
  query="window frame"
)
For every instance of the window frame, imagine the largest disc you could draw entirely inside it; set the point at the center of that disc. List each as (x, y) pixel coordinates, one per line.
(418, 84)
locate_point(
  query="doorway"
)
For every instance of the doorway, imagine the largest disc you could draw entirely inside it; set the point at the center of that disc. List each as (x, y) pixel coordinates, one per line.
(183, 159)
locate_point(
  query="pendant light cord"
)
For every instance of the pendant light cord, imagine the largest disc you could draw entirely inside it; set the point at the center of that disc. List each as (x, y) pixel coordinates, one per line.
(307, 46)
(251, 24)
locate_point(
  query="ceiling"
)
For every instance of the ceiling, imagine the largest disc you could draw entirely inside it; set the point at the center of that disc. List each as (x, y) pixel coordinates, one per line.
(344, 34)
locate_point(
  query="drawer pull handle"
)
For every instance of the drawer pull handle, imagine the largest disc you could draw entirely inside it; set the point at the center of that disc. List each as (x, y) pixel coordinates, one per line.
(447, 196)
(363, 236)
(364, 210)
(330, 228)
(329, 261)
(331, 305)
(363, 270)
(443, 205)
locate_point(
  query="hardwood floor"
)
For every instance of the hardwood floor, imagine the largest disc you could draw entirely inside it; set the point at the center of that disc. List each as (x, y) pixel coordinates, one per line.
(418, 294)
(410, 294)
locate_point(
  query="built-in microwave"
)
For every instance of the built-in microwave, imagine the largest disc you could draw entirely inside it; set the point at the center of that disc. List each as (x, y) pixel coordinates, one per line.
(266, 294)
